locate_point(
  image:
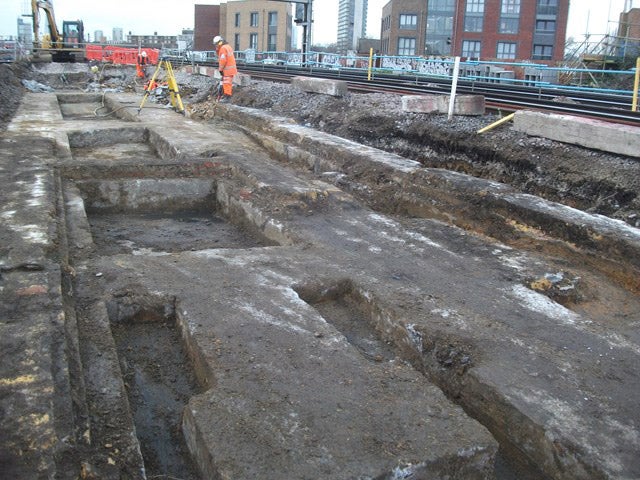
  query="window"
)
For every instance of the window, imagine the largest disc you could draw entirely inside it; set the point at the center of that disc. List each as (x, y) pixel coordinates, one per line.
(406, 46)
(542, 52)
(441, 5)
(473, 20)
(273, 42)
(509, 16)
(439, 25)
(473, 23)
(545, 25)
(475, 6)
(471, 49)
(509, 25)
(236, 42)
(547, 7)
(254, 19)
(510, 7)
(237, 22)
(273, 19)
(506, 50)
(408, 22)
(253, 41)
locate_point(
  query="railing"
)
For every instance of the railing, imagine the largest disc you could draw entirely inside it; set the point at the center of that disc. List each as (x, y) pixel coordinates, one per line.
(516, 73)
(12, 51)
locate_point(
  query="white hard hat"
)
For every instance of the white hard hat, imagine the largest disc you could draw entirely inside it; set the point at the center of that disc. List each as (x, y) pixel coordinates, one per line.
(217, 39)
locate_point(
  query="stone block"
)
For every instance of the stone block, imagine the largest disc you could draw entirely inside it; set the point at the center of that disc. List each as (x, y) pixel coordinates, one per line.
(586, 132)
(464, 104)
(335, 88)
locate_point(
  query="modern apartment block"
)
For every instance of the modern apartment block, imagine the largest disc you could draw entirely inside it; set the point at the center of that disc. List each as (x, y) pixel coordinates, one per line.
(260, 25)
(487, 29)
(257, 24)
(25, 33)
(352, 23)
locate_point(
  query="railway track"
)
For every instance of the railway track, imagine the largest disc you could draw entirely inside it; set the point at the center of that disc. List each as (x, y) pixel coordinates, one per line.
(602, 106)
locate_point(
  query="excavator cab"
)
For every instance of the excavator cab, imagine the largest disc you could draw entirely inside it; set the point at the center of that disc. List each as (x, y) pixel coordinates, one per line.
(73, 34)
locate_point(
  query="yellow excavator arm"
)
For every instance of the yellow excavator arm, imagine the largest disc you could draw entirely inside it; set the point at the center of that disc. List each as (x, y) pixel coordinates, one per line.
(54, 34)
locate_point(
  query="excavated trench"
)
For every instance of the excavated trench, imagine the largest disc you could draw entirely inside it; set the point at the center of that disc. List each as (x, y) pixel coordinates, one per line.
(158, 366)
(152, 207)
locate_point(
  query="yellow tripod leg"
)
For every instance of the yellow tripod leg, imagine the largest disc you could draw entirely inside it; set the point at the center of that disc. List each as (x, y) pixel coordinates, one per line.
(173, 90)
(151, 82)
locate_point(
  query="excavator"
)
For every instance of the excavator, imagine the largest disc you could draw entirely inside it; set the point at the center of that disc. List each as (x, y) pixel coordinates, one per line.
(68, 46)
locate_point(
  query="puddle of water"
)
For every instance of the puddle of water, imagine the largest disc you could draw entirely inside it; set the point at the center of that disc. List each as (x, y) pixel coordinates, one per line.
(159, 382)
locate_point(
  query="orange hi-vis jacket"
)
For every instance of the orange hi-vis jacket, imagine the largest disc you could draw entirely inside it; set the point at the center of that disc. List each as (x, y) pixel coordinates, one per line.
(226, 60)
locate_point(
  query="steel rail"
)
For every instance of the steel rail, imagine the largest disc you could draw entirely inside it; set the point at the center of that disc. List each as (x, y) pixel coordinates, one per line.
(604, 106)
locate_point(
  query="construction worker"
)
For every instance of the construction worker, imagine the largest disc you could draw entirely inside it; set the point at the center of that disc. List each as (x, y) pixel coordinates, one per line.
(141, 64)
(226, 65)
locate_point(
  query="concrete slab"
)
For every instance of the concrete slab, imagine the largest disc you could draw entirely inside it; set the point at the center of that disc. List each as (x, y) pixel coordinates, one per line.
(590, 133)
(462, 105)
(335, 88)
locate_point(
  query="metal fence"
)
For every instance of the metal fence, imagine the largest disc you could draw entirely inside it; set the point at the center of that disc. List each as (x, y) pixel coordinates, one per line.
(12, 51)
(516, 73)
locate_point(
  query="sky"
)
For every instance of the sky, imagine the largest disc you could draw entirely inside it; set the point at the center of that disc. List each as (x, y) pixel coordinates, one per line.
(169, 17)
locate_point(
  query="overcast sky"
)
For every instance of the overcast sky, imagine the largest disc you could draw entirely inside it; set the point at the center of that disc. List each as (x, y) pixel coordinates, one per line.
(169, 17)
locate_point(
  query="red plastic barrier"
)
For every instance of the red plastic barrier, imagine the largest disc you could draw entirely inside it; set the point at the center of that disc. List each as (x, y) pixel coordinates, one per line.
(120, 55)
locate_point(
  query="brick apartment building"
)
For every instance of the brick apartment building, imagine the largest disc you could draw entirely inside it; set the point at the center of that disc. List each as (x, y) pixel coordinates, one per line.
(206, 25)
(628, 36)
(487, 29)
(257, 24)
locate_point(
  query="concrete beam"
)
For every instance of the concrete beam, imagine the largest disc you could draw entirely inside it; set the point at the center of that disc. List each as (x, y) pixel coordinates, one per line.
(336, 88)
(586, 132)
(463, 105)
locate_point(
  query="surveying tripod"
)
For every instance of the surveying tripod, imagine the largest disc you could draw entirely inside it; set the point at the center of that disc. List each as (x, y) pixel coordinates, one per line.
(176, 101)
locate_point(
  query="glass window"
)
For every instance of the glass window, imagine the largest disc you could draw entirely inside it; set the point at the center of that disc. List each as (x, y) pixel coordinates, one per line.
(254, 19)
(510, 7)
(236, 42)
(439, 25)
(441, 5)
(273, 19)
(506, 50)
(471, 49)
(273, 42)
(408, 22)
(545, 25)
(406, 46)
(473, 23)
(509, 25)
(547, 7)
(475, 6)
(253, 41)
(542, 52)
(237, 21)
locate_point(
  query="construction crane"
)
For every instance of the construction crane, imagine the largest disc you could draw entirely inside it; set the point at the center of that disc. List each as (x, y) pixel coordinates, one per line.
(67, 46)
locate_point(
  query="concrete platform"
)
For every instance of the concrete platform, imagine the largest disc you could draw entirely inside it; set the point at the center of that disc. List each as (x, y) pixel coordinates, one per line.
(343, 342)
(596, 134)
